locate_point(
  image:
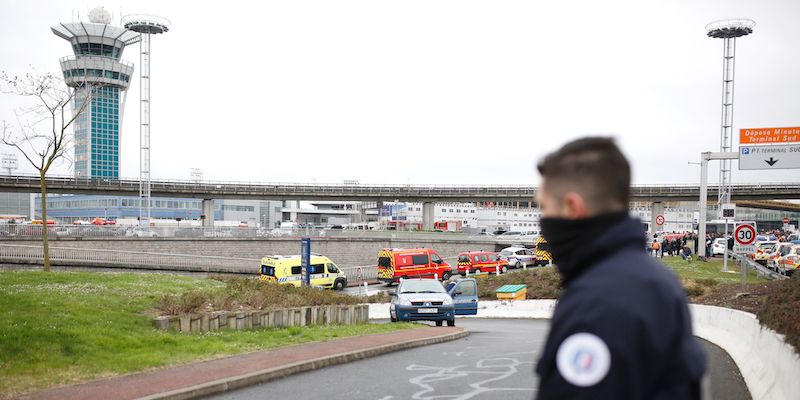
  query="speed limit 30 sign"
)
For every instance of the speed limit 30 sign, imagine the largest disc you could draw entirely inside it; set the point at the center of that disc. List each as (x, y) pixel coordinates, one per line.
(744, 237)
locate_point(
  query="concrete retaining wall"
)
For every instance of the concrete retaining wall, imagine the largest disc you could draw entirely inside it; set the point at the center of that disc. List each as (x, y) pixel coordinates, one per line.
(345, 252)
(768, 364)
(240, 320)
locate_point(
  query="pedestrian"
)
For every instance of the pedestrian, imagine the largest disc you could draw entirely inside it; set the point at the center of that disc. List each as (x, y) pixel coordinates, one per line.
(686, 253)
(656, 247)
(621, 328)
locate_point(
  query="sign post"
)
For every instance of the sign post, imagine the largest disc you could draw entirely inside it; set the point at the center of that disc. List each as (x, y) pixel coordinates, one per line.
(728, 210)
(305, 261)
(744, 243)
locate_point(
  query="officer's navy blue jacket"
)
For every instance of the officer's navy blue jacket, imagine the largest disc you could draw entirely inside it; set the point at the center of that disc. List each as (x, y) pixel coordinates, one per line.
(637, 307)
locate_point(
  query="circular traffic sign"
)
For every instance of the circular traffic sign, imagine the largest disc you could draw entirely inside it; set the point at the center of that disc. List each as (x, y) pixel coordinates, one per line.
(660, 220)
(745, 235)
(786, 220)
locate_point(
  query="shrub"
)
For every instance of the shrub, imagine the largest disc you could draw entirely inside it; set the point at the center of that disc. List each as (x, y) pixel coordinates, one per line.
(543, 283)
(247, 293)
(781, 311)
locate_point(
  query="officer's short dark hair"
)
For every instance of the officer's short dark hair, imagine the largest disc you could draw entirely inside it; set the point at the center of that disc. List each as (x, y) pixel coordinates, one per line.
(594, 167)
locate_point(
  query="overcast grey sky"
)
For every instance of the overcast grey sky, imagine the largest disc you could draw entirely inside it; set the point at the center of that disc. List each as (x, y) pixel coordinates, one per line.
(432, 91)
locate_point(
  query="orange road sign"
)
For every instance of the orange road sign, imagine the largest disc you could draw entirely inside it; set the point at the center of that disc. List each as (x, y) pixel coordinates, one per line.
(769, 135)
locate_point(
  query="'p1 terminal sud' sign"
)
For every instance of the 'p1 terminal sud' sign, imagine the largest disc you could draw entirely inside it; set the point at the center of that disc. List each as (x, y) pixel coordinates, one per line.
(769, 157)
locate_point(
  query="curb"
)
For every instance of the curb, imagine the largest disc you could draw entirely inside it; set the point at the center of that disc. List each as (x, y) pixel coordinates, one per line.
(266, 375)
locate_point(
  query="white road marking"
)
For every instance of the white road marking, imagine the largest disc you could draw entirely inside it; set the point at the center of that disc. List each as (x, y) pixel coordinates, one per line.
(487, 371)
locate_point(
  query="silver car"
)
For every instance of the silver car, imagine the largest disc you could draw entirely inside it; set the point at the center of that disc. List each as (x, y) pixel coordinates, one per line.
(518, 256)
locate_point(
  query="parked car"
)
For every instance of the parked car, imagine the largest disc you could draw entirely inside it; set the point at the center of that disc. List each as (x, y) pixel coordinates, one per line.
(288, 270)
(396, 264)
(62, 231)
(481, 261)
(428, 300)
(141, 232)
(518, 256)
(785, 258)
(763, 251)
(718, 246)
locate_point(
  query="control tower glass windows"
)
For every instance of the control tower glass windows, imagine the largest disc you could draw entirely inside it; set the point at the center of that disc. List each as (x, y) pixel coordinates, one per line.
(97, 135)
(97, 49)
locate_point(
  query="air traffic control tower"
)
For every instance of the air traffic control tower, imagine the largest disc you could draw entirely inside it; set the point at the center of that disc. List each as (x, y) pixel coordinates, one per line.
(98, 50)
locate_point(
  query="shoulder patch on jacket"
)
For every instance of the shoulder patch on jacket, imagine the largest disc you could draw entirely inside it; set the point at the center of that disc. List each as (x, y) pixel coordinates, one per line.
(583, 359)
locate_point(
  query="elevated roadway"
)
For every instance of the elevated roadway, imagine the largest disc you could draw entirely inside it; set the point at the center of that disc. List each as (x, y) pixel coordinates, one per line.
(345, 192)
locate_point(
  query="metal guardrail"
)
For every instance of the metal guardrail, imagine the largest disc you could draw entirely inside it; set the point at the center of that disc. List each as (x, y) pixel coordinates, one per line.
(758, 268)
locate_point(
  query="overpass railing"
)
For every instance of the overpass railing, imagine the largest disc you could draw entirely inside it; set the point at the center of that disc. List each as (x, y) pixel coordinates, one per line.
(445, 190)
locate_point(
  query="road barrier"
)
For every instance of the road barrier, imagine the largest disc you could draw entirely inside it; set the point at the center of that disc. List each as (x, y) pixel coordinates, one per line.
(758, 268)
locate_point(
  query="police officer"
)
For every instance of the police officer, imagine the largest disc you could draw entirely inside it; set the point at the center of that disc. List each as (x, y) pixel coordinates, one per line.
(621, 329)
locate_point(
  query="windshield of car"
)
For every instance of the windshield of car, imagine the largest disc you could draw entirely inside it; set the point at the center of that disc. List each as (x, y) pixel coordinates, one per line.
(506, 253)
(421, 286)
(767, 246)
(267, 270)
(463, 258)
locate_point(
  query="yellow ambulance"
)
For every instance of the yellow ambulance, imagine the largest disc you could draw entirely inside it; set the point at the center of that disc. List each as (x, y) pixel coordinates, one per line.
(287, 270)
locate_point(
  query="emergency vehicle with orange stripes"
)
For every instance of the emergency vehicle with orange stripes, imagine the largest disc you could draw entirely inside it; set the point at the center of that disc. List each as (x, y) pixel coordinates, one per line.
(473, 262)
(394, 264)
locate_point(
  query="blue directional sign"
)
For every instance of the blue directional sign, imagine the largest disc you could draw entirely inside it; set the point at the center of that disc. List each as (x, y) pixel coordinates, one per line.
(305, 261)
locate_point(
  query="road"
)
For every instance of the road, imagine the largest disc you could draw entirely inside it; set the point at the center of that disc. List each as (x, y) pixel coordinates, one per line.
(495, 362)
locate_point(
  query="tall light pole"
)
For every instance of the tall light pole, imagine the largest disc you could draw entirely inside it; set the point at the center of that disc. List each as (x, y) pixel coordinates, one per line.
(727, 30)
(145, 25)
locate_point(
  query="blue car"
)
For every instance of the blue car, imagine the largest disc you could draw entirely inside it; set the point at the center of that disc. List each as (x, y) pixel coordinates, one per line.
(428, 300)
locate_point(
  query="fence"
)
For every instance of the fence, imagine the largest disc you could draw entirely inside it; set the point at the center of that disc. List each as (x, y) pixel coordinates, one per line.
(25, 231)
(65, 256)
(102, 258)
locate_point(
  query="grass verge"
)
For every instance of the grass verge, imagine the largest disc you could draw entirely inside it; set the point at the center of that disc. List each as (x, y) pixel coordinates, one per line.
(711, 269)
(66, 327)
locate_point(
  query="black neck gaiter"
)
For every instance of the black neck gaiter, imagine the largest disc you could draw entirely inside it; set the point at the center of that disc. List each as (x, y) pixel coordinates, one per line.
(571, 240)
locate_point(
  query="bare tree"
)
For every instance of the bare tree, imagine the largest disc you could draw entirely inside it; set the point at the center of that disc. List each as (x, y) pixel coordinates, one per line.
(41, 130)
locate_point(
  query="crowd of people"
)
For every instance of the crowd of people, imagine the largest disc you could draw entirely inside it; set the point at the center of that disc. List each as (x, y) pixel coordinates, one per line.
(683, 244)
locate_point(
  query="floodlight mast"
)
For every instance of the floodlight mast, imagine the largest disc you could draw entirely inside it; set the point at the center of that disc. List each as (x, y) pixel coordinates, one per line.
(145, 25)
(727, 30)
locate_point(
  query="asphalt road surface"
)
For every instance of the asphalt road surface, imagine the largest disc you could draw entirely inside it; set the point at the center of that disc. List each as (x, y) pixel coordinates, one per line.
(495, 361)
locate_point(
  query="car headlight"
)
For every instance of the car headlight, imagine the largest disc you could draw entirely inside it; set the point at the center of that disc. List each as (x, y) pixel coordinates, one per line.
(447, 302)
(405, 302)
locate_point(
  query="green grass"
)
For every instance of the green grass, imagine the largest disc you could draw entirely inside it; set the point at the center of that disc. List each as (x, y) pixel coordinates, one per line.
(712, 269)
(66, 327)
